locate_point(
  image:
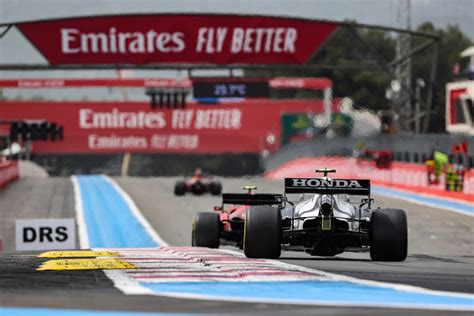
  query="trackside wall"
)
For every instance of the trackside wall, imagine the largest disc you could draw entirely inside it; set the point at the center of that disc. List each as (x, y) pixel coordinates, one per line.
(9, 172)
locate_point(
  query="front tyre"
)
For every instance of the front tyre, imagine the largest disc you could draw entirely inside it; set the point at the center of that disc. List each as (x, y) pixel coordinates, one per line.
(206, 230)
(388, 235)
(262, 232)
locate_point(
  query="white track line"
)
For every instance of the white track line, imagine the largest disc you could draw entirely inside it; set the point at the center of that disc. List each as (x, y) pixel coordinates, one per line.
(136, 212)
(127, 285)
(424, 203)
(81, 224)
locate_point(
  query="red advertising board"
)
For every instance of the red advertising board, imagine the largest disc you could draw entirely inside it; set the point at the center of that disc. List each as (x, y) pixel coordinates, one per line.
(299, 83)
(177, 38)
(54, 83)
(110, 127)
(9, 172)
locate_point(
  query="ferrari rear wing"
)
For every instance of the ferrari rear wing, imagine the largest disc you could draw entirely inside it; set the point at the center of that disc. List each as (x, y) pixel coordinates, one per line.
(327, 186)
(252, 199)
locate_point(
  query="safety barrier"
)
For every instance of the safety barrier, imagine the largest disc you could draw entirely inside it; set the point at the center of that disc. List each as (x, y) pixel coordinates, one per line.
(408, 176)
(9, 172)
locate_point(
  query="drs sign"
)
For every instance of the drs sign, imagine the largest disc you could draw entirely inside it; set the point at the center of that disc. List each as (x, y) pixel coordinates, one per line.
(45, 234)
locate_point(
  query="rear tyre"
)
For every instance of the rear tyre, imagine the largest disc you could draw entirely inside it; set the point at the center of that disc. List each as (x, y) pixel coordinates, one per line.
(206, 230)
(180, 188)
(215, 188)
(262, 232)
(388, 235)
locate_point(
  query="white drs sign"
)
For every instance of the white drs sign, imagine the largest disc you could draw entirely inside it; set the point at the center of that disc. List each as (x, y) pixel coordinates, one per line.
(45, 234)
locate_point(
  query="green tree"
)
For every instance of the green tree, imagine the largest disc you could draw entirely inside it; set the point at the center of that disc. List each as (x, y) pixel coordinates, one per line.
(351, 47)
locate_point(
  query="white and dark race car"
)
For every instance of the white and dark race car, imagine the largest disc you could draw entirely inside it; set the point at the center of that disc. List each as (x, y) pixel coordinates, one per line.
(324, 222)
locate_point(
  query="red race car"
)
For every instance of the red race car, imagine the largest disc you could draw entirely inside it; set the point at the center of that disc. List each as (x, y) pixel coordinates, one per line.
(382, 158)
(225, 226)
(198, 184)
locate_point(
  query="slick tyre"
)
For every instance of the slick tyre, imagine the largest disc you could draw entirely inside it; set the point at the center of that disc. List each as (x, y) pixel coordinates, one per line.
(215, 188)
(206, 230)
(262, 232)
(180, 188)
(388, 235)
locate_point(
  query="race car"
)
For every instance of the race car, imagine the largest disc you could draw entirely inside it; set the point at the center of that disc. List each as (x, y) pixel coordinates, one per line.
(324, 222)
(225, 226)
(198, 184)
(383, 159)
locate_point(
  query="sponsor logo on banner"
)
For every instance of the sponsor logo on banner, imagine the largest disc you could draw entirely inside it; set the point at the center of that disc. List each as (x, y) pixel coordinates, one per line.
(45, 234)
(214, 119)
(194, 120)
(178, 38)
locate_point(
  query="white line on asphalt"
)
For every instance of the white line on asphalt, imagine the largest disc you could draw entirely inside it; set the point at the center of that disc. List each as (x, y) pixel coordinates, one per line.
(423, 203)
(81, 224)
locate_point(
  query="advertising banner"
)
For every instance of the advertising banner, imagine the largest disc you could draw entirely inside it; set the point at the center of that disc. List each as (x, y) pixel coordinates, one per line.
(112, 127)
(54, 83)
(177, 38)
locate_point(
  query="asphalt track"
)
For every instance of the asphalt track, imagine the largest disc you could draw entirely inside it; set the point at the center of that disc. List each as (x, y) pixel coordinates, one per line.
(441, 252)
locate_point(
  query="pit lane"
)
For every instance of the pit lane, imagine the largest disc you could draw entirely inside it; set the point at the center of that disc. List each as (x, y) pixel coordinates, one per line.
(440, 253)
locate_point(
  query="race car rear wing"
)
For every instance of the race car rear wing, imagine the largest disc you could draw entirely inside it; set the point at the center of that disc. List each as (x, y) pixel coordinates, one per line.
(252, 199)
(327, 186)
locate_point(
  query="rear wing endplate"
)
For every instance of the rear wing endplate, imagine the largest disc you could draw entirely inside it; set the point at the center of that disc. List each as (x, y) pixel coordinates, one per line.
(252, 199)
(327, 186)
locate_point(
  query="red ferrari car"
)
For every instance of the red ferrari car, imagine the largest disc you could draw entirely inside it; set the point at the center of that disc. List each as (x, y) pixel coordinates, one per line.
(198, 184)
(382, 158)
(225, 226)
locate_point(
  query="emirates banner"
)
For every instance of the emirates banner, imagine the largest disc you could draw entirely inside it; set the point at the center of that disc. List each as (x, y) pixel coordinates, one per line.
(180, 38)
(111, 127)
